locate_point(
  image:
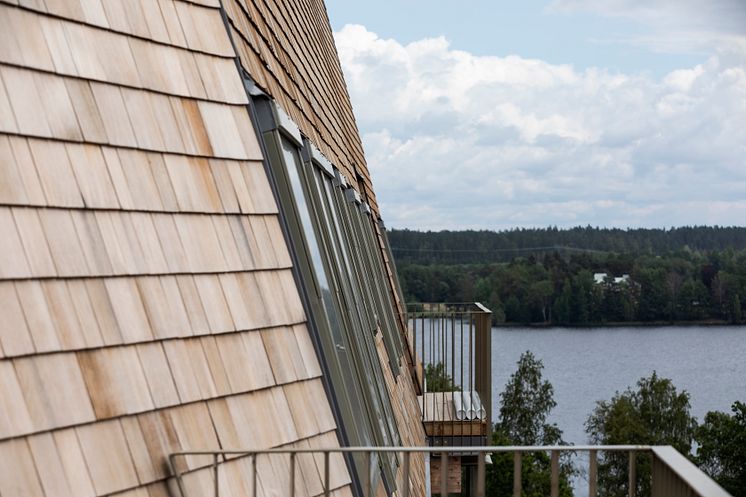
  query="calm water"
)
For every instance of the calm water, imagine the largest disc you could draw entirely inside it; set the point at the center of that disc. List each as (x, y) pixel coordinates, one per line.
(586, 365)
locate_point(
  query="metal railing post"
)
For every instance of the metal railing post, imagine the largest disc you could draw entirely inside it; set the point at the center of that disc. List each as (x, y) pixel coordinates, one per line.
(487, 370)
(215, 474)
(405, 471)
(366, 477)
(292, 474)
(592, 473)
(253, 475)
(555, 474)
(177, 474)
(326, 474)
(656, 478)
(481, 476)
(672, 472)
(517, 460)
(413, 350)
(443, 474)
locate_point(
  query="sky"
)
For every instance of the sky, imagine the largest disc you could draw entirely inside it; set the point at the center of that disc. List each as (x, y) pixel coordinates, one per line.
(500, 114)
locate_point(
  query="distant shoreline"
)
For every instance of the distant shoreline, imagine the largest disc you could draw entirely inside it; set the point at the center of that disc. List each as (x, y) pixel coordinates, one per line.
(625, 324)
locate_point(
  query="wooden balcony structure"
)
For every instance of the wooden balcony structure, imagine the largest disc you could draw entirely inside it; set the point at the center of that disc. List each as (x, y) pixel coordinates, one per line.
(451, 349)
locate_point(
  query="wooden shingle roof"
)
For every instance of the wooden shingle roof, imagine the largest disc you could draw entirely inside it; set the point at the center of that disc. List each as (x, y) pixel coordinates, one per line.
(147, 292)
(146, 288)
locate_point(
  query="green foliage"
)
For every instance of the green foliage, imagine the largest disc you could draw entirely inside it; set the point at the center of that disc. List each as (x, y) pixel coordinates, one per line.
(553, 288)
(525, 405)
(469, 247)
(721, 450)
(535, 473)
(438, 380)
(737, 313)
(653, 414)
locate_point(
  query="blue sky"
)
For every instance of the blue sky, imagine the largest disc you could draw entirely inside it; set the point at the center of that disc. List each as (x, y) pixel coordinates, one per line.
(530, 28)
(501, 114)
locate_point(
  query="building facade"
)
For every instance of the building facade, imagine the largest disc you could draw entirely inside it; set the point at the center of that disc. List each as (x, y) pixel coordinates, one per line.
(192, 257)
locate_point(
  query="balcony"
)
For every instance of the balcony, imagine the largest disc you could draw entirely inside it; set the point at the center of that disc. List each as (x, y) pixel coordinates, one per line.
(294, 472)
(451, 349)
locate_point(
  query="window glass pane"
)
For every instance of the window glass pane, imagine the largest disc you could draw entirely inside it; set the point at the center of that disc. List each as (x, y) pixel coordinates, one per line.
(338, 264)
(350, 292)
(361, 277)
(341, 347)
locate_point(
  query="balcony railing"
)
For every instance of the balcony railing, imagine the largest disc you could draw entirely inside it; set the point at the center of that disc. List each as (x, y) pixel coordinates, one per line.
(451, 347)
(672, 474)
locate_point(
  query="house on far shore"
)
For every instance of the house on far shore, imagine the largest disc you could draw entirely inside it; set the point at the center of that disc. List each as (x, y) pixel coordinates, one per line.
(600, 278)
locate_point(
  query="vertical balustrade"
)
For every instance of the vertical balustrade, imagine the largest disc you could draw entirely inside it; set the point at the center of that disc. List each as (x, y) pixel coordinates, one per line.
(292, 474)
(326, 474)
(368, 481)
(443, 474)
(554, 492)
(592, 473)
(455, 340)
(405, 478)
(517, 459)
(253, 475)
(215, 459)
(673, 474)
(481, 475)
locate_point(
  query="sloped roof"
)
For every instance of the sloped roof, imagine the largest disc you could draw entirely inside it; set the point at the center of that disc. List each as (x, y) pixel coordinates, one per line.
(147, 294)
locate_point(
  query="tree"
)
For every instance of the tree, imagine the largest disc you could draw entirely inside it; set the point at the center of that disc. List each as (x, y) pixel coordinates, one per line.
(654, 414)
(525, 405)
(562, 312)
(721, 451)
(540, 294)
(583, 287)
(437, 379)
(674, 275)
(737, 313)
(513, 310)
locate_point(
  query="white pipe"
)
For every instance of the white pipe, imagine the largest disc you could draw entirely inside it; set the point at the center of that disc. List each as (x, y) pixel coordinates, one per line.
(479, 411)
(468, 406)
(458, 406)
(470, 399)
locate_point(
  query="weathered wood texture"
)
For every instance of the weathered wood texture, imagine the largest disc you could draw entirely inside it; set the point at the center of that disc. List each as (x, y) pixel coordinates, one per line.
(148, 304)
(439, 417)
(407, 415)
(288, 48)
(453, 475)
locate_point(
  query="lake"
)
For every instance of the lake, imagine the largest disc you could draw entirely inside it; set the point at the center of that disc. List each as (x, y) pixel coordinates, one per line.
(586, 365)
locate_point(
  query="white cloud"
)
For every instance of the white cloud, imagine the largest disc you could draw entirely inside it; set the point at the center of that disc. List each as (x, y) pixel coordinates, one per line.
(458, 140)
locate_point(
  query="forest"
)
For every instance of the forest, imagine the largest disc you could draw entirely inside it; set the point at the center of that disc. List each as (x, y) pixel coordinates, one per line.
(580, 276)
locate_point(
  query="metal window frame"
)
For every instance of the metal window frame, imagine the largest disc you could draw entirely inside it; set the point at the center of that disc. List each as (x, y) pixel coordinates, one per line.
(262, 114)
(265, 115)
(349, 290)
(358, 275)
(372, 402)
